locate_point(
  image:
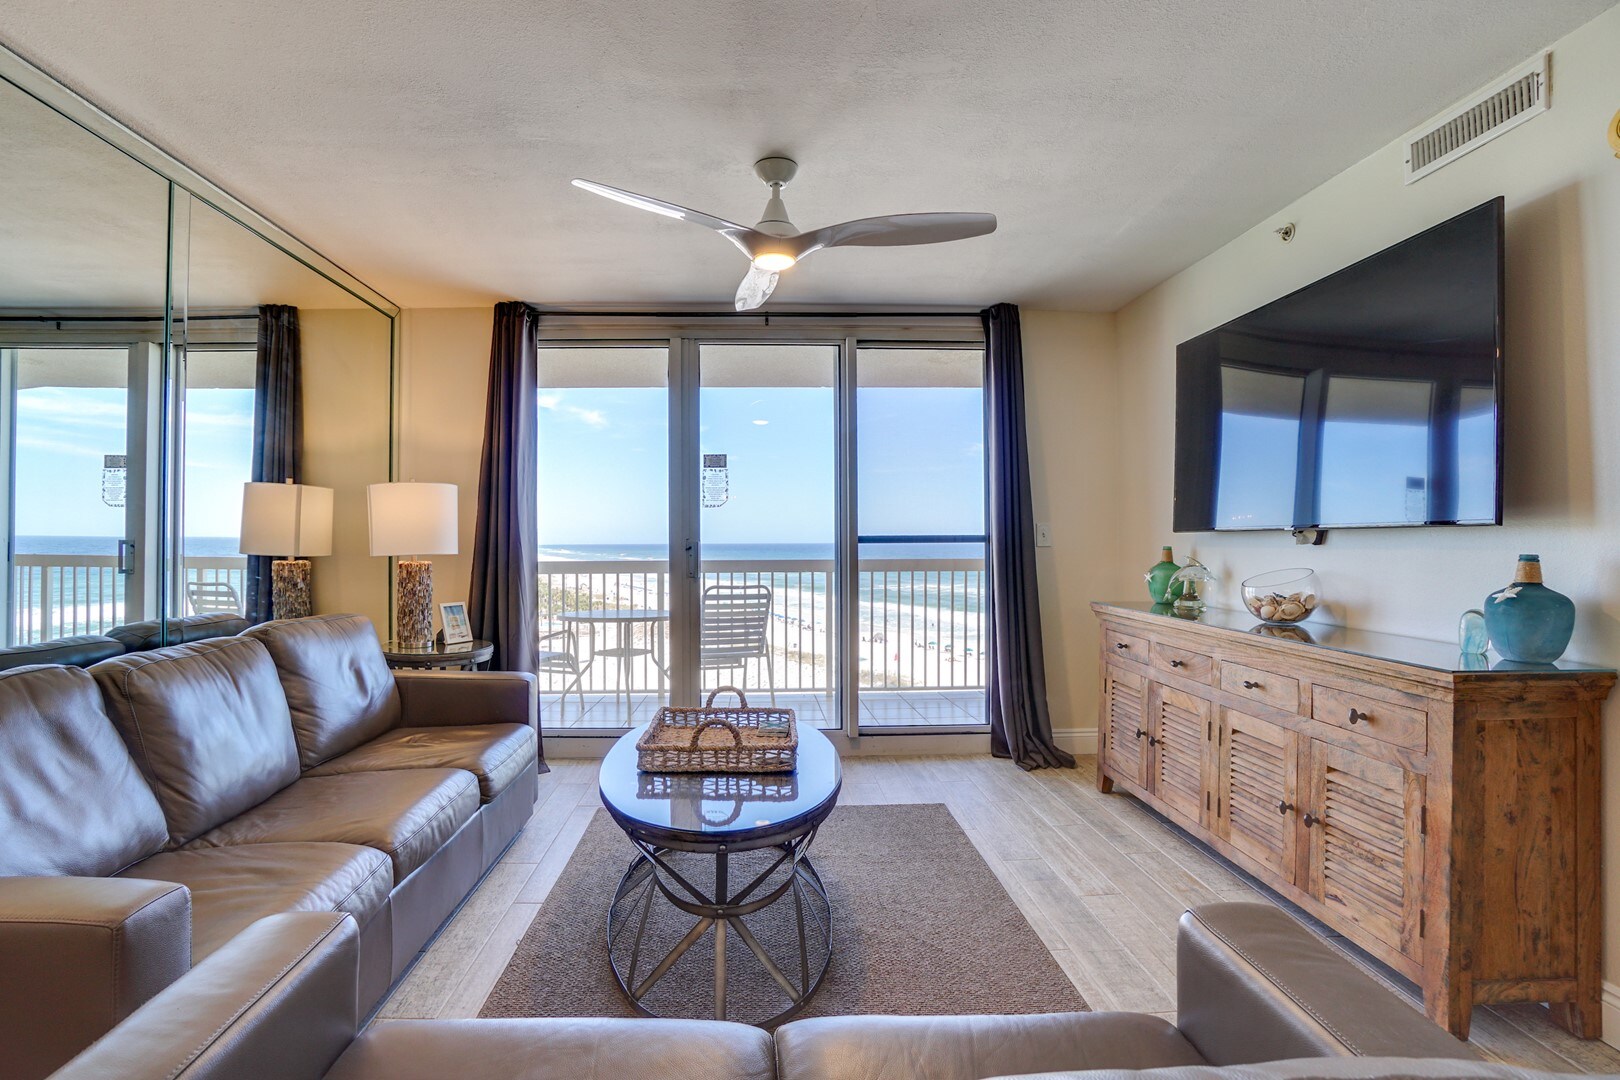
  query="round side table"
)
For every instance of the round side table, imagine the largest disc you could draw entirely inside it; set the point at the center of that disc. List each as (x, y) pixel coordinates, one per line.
(462, 656)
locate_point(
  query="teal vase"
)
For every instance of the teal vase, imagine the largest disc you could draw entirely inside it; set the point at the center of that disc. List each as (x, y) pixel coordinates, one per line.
(1527, 621)
(1158, 579)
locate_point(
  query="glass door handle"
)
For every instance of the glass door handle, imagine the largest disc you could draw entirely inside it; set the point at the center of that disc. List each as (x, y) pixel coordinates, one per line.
(691, 560)
(124, 549)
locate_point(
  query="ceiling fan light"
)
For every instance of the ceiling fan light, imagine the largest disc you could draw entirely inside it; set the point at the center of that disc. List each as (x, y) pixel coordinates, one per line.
(774, 261)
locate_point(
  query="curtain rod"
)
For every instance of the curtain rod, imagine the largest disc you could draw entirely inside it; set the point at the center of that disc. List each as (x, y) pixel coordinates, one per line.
(573, 313)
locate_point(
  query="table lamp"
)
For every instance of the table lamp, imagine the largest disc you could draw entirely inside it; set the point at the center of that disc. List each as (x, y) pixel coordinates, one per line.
(288, 521)
(410, 520)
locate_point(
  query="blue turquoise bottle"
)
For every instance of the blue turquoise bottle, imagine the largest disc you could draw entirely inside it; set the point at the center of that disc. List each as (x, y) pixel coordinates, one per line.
(1527, 621)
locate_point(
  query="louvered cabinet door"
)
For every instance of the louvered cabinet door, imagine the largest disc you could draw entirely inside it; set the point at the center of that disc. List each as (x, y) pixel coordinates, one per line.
(1256, 791)
(1125, 707)
(1363, 821)
(1178, 735)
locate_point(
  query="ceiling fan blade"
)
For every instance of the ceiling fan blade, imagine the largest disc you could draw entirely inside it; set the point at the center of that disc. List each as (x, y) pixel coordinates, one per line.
(737, 234)
(756, 288)
(896, 230)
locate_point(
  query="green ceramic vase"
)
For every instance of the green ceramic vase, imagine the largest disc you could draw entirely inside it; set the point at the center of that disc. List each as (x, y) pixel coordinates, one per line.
(1158, 579)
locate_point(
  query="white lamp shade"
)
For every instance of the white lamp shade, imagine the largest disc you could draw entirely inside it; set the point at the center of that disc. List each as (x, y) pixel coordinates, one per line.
(412, 519)
(286, 519)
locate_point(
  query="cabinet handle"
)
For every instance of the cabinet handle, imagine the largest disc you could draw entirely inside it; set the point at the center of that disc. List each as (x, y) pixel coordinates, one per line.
(1140, 733)
(1250, 684)
(1310, 819)
(1121, 645)
(1284, 807)
(1178, 663)
(1152, 741)
(1357, 717)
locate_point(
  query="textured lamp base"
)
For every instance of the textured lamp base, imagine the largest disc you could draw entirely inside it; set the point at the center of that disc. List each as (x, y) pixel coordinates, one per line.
(290, 596)
(414, 608)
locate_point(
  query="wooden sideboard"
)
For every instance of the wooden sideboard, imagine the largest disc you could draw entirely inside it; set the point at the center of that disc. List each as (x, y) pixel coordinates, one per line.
(1445, 820)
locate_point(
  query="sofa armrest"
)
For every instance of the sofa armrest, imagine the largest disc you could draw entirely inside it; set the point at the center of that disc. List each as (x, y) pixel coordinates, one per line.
(280, 1000)
(78, 955)
(448, 698)
(1254, 985)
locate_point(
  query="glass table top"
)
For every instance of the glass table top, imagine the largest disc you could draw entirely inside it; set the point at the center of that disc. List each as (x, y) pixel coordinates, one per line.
(719, 805)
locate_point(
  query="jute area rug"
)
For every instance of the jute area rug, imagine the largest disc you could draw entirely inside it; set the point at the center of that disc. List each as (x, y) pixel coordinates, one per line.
(921, 926)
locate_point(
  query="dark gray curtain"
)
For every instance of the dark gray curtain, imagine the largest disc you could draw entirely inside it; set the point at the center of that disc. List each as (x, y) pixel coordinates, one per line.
(278, 430)
(1020, 723)
(503, 599)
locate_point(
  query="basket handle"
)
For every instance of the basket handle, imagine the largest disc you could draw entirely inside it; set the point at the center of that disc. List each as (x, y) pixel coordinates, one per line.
(716, 721)
(742, 702)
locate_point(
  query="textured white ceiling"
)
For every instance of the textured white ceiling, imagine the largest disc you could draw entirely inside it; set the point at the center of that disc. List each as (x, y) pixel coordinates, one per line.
(427, 145)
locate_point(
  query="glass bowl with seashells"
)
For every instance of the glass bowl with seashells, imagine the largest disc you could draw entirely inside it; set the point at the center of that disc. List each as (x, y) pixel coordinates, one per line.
(1281, 597)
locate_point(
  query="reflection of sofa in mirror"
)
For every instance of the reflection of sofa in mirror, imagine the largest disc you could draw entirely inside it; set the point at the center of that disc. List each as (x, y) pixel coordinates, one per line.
(82, 650)
(124, 510)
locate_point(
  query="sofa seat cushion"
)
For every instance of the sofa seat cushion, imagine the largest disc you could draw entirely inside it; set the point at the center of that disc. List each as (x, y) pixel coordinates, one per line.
(496, 754)
(552, 1048)
(233, 887)
(971, 1047)
(407, 814)
(208, 725)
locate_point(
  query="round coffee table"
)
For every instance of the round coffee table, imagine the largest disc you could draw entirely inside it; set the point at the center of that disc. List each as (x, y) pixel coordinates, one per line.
(721, 847)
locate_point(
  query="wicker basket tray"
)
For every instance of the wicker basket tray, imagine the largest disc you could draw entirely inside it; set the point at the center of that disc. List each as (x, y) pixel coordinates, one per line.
(710, 739)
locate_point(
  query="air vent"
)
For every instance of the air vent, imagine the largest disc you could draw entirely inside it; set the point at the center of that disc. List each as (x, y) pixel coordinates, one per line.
(1506, 103)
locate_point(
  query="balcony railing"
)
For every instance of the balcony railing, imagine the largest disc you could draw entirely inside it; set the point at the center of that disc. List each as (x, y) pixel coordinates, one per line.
(921, 623)
(55, 596)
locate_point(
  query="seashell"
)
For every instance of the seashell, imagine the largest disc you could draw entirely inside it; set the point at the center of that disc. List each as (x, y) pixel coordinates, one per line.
(1268, 610)
(1310, 601)
(1291, 610)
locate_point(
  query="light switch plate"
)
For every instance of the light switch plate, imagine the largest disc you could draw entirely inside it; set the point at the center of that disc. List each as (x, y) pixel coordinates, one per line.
(1043, 535)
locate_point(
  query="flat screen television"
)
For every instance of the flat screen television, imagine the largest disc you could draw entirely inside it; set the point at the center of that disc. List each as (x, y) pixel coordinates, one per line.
(1371, 398)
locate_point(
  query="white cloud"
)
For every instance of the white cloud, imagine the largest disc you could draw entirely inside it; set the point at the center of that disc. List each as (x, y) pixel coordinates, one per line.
(594, 417)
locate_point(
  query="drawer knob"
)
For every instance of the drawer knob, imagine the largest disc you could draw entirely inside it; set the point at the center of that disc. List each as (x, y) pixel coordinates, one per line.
(1121, 645)
(1310, 819)
(1178, 663)
(1284, 807)
(1250, 684)
(1357, 717)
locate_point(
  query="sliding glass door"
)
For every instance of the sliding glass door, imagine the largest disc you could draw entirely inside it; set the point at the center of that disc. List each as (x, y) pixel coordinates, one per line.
(800, 518)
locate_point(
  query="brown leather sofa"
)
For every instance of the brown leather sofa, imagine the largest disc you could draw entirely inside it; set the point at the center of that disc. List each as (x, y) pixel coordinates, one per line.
(1258, 996)
(156, 806)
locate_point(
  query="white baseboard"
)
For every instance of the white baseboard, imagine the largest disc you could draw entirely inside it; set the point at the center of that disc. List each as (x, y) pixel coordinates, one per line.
(1080, 741)
(1611, 1014)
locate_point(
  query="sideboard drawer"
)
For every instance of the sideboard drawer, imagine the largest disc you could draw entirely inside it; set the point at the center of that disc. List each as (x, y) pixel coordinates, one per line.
(1190, 665)
(1256, 684)
(1381, 720)
(1125, 647)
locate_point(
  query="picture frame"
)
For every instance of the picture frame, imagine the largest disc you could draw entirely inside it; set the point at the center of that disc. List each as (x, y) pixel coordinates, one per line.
(457, 627)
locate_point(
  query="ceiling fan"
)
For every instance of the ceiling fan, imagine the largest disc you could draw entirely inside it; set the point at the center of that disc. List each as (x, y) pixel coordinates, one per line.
(775, 243)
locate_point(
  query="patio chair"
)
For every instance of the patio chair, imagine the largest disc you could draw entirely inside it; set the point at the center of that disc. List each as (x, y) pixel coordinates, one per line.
(736, 629)
(212, 597)
(563, 661)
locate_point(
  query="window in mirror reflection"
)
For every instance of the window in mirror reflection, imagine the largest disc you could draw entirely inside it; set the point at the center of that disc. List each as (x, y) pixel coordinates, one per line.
(1259, 448)
(218, 461)
(1476, 453)
(1375, 450)
(70, 480)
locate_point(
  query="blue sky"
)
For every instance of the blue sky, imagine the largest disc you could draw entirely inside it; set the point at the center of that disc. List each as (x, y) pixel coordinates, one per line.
(63, 434)
(604, 463)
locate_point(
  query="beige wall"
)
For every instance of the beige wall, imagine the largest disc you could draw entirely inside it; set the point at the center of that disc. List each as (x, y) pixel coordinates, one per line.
(1070, 391)
(346, 355)
(444, 374)
(1562, 184)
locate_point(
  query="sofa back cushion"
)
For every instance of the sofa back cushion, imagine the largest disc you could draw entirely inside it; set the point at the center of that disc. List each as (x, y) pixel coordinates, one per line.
(207, 724)
(140, 636)
(81, 651)
(71, 799)
(338, 685)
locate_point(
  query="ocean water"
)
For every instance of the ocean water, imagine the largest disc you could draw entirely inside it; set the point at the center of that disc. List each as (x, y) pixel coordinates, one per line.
(755, 552)
(207, 547)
